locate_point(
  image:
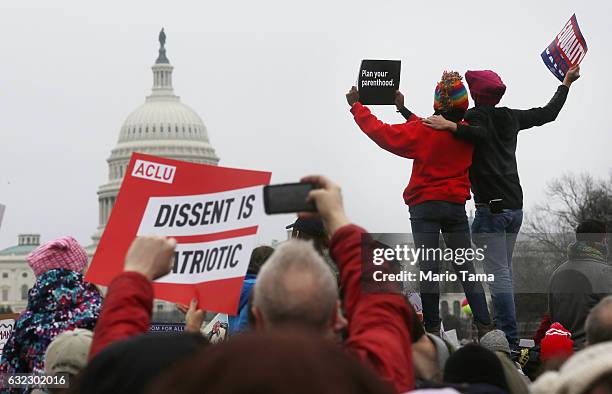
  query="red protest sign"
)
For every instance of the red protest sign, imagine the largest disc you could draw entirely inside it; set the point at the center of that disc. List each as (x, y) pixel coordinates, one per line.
(567, 49)
(213, 212)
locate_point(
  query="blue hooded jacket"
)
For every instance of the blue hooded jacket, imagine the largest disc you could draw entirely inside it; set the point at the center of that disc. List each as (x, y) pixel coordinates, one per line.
(240, 322)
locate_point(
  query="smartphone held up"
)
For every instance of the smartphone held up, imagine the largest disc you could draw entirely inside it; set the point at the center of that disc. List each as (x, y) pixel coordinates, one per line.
(288, 198)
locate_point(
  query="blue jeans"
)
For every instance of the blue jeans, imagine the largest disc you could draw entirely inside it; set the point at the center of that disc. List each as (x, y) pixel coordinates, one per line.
(428, 220)
(498, 233)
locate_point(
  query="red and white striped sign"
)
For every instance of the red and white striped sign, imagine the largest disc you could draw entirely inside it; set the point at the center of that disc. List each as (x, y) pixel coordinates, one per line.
(213, 212)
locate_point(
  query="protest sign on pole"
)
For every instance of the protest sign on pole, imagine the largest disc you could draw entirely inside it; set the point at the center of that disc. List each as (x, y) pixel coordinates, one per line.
(213, 212)
(7, 324)
(378, 81)
(2, 207)
(567, 49)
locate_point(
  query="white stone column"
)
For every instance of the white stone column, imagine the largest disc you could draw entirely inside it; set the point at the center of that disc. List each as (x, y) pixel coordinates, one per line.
(103, 211)
(110, 208)
(106, 211)
(100, 213)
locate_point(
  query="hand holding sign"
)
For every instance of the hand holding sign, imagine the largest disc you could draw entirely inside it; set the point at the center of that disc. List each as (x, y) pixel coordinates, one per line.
(399, 100)
(194, 317)
(151, 256)
(572, 75)
(352, 96)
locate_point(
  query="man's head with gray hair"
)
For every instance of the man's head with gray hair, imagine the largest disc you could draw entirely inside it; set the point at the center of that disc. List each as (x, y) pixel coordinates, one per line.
(598, 324)
(296, 288)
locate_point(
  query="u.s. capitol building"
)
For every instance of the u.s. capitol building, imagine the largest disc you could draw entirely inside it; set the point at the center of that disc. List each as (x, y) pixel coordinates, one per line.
(162, 126)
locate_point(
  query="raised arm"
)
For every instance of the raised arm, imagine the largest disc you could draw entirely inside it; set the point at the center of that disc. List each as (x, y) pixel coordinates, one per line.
(401, 108)
(128, 305)
(379, 322)
(542, 115)
(399, 139)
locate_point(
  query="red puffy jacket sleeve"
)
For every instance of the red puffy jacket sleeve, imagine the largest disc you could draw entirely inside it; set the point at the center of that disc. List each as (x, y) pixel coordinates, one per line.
(126, 311)
(399, 139)
(378, 323)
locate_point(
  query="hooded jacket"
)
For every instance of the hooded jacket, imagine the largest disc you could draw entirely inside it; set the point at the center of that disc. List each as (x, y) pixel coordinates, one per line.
(59, 301)
(578, 285)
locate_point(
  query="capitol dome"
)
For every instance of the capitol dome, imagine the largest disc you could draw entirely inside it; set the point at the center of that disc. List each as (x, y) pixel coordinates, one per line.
(165, 126)
(162, 126)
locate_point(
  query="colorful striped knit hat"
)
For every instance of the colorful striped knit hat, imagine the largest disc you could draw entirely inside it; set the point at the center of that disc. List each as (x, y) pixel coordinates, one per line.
(450, 93)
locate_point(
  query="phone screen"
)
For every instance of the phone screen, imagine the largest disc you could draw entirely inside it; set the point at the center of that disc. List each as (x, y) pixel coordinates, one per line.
(288, 198)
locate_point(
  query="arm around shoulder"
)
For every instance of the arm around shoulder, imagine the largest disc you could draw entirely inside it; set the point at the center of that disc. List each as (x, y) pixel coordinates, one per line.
(476, 128)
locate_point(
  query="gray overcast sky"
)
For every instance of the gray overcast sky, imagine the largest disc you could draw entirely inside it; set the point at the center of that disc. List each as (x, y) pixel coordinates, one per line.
(268, 78)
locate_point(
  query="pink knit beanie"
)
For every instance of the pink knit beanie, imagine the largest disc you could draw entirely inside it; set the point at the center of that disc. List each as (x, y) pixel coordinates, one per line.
(63, 252)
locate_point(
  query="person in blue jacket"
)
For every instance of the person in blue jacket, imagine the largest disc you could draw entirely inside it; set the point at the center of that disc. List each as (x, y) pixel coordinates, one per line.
(240, 322)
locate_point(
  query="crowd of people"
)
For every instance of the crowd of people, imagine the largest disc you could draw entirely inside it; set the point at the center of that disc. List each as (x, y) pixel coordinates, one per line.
(311, 320)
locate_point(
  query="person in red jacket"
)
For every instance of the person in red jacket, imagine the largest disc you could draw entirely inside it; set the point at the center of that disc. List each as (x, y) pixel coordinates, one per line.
(436, 194)
(296, 289)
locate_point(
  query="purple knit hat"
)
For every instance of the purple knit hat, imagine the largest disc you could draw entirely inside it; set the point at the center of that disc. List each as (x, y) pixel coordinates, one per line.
(63, 252)
(486, 87)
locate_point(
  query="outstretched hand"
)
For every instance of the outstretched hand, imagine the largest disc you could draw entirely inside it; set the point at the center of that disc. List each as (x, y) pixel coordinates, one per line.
(328, 199)
(152, 256)
(571, 76)
(439, 123)
(193, 316)
(352, 96)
